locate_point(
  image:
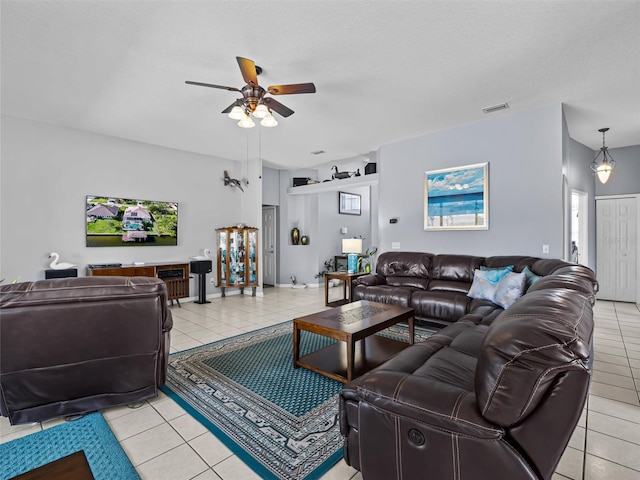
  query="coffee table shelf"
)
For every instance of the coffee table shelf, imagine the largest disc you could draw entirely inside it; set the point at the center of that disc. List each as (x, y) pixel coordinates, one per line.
(368, 354)
(358, 349)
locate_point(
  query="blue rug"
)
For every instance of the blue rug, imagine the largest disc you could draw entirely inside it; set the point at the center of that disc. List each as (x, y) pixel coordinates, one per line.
(90, 433)
(282, 422)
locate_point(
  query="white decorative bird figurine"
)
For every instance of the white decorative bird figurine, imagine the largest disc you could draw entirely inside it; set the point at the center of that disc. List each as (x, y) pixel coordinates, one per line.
(232, 181)
(206, 256)
(59, 266)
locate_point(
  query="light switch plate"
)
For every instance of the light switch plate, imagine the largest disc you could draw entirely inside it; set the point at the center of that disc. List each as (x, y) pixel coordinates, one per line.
(545, 248)
(395, 245)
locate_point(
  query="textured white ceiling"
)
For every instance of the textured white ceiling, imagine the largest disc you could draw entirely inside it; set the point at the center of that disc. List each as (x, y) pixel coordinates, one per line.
(384, 70)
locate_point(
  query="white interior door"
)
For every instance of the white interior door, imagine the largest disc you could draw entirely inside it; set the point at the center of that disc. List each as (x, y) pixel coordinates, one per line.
(269, 245)
(627, 228)
(617, 238)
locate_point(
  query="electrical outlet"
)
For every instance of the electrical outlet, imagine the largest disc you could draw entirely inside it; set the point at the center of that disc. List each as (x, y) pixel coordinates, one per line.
(395, 245)
(545, 248)
(212, 281)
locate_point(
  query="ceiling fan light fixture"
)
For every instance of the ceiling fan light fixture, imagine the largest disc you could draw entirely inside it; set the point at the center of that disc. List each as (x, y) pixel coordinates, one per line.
(246, 122)
(237, 113)
(261, 111)
(604, 168)
(269, 121)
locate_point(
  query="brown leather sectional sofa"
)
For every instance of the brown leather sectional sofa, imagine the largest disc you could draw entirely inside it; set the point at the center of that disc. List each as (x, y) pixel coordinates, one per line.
(436, 286)
(496, 394)
(77, 345)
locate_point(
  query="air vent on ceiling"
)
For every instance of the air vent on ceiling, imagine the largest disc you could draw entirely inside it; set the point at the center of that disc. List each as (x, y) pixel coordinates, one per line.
(318, 152)
(495, 108)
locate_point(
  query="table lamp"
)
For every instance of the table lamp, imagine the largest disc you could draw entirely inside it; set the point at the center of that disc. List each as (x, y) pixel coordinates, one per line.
(352, 247)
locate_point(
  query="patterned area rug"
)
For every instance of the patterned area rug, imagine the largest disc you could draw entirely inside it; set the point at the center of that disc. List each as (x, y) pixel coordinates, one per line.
(91, 433)
(281, 421)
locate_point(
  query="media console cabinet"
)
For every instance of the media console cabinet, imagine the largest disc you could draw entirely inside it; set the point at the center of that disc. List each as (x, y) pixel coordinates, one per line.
(175, 275)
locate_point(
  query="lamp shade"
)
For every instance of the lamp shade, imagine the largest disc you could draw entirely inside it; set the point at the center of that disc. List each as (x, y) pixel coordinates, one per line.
(246, 122)
(603, 171)
(352, 245)
(261, 111)
(236, 113)
(269, 121)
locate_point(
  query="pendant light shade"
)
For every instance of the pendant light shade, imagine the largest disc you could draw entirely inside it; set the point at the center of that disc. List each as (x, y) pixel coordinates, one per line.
(269, 121)
(237, 113)
(246, 122)
(261, 111)
(603, 167)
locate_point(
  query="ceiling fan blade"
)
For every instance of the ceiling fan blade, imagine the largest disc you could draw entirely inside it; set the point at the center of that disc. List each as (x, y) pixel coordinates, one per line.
(230, 107)
(231, 89)
(248, 69)
(291, 89)
(276, 106)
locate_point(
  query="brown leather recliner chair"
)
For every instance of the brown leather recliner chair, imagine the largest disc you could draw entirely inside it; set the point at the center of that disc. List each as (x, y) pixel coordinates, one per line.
(494, 399)
(77, 345)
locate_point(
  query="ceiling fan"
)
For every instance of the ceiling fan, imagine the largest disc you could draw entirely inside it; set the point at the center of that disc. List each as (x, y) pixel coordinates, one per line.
(253, 99)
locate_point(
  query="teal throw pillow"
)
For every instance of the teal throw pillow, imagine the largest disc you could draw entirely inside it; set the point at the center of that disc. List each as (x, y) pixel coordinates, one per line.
(531, 278)
(510, 288)
(496, 274)
(482, 287)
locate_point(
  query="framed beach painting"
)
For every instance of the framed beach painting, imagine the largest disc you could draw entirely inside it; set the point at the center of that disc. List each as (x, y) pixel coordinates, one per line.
(457, 198)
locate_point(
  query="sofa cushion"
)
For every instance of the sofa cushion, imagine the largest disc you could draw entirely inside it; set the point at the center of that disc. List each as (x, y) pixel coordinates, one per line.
(518, 261)
(414, 282)
(568, 281)
(509, 289)
(439, 305)
(449, 286)
(483, 287)
(384, 294)
(404, 264)
(458, 268)
(483, 308)
(496, 274)
(531, 278)
(553, 329)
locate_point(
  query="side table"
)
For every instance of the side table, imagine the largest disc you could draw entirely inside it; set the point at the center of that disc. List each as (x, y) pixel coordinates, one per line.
(346, 278)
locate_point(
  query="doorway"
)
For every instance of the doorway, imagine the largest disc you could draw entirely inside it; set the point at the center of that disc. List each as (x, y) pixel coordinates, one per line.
(617, 248)
(579, 251)
(269, 245)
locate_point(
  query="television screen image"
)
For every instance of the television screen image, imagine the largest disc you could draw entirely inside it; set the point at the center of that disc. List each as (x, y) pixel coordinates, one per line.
(124, 222)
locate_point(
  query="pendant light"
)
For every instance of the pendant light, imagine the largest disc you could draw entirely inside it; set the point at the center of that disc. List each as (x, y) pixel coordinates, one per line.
(605, 167)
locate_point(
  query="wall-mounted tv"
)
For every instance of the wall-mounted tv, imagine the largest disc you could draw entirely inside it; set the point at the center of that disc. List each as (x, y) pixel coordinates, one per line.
(125, 222)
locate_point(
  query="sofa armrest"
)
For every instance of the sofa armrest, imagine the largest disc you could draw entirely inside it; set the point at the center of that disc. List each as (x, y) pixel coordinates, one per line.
(370, 280)
(436, 404)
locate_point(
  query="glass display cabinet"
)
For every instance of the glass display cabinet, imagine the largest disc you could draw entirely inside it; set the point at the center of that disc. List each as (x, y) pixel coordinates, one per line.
(237, 258)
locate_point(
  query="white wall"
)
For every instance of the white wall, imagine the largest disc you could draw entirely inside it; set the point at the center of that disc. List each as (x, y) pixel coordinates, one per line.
(581, 178)
(270, 186)
(47, 171)
(316, 215)
(524, 151)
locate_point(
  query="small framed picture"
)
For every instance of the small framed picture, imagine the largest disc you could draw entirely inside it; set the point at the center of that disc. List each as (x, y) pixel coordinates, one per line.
(348, 203)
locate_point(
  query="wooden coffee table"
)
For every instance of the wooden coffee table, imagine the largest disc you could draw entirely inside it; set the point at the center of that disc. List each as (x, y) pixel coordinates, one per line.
(358, 349)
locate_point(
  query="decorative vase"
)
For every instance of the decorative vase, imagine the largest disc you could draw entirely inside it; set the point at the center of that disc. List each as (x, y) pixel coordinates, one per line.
(295, 236)
(304, 240)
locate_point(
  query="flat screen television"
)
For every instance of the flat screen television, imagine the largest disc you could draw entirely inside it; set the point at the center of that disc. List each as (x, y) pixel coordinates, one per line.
(125, 222)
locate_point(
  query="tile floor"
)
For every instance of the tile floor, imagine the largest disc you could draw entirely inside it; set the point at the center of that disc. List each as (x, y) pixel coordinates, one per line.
(163, 442)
